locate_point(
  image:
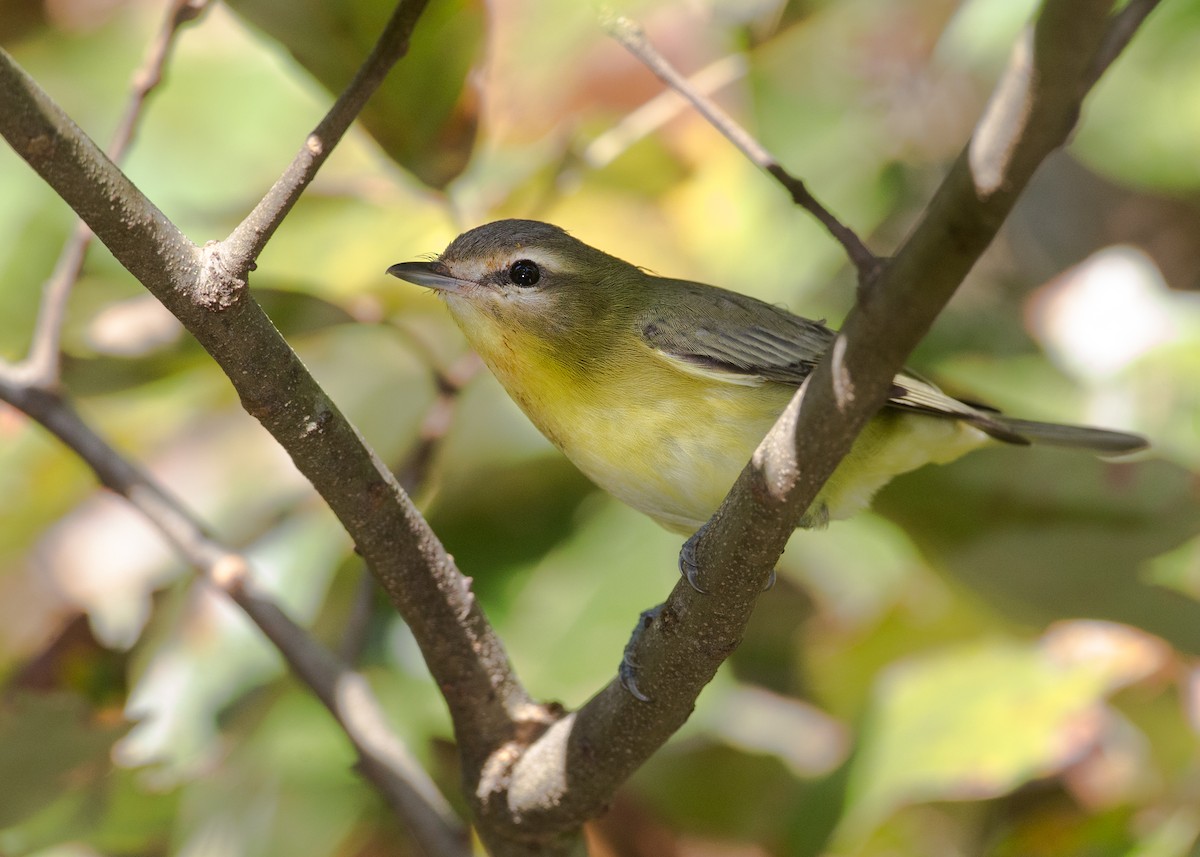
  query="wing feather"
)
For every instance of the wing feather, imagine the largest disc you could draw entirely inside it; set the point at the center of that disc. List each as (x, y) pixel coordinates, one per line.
(758, 342)
(755, 338)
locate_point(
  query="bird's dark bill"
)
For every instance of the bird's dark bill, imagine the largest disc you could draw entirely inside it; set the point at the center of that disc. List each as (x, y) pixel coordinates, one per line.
(432, 275)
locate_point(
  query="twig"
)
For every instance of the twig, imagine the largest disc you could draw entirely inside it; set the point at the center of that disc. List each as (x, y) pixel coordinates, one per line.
(660, 110)
(41, 366)
(147, 78)
(414, 471)
(383, 759)
(633, 38)
(243, 246)
(1121, 29)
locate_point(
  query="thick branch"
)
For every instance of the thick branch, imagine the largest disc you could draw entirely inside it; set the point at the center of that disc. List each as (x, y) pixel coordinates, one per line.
(31, 385)
(137, 233)
(574, 768)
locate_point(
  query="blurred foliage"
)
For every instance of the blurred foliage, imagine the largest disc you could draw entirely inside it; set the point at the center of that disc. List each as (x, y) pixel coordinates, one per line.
(998, 660)
(424, 119)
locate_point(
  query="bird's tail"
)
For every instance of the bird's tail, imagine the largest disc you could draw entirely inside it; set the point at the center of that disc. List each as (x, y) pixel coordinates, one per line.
(1103, 441)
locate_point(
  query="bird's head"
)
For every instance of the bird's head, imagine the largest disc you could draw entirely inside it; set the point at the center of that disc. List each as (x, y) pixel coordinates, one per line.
(532, 283)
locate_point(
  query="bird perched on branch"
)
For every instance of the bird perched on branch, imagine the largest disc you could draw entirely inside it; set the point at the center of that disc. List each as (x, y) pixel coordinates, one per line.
(659, 390)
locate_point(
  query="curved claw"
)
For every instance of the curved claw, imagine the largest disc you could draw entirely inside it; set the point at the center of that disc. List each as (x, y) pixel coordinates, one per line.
(688, 566)
(627, 675)
(627, 672)
(770, 584)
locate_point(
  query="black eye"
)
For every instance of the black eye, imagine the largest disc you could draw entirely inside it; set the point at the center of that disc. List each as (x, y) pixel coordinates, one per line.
(524, 273)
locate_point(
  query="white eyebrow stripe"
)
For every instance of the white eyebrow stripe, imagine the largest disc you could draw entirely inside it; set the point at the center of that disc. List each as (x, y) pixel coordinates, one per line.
(477, 268)
(539, 255)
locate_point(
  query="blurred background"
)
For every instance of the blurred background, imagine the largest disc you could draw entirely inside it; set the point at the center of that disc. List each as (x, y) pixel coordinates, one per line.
(1000, 659)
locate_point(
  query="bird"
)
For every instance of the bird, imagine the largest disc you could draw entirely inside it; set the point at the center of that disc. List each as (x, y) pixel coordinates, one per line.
(660, 389)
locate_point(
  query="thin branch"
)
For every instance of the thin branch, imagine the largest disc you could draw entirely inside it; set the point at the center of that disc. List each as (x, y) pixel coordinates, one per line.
(41, 366)
(660, 110)
(383, 759)
(574, 767)
(1121, 29)
(413, 473)
(247, 241)
(362, 607)
(633, 38)
(147, 78)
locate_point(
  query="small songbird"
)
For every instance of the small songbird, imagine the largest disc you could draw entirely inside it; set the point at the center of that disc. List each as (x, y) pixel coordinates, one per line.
(659, 390)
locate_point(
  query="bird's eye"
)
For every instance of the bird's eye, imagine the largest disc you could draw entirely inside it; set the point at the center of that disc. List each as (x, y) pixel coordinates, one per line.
(524, 273)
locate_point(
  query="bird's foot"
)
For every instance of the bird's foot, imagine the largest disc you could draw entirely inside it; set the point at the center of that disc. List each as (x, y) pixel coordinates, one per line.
(688, 565)
(627, 673)
(690, 569)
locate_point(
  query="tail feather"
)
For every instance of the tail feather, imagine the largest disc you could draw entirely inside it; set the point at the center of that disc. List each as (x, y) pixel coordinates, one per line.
(912, 392)
(1079, 437)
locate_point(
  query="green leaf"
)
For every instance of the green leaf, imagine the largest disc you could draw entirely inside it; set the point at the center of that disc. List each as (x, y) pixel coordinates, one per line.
(1137, 130)
(970, 722)
(50, 744)
(1045, 534)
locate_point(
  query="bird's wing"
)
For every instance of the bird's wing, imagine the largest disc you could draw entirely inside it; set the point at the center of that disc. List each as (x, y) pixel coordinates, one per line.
(753, 342)
(756, 343)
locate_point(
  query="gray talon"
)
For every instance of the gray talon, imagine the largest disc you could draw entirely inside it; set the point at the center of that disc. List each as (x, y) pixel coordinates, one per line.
(687, 562)
(627, 675)
(627, 671)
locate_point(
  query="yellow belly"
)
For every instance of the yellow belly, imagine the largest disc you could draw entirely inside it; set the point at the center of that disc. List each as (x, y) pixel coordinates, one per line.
(672, 444)
(678, 471)
(672, 457)
(675, 455)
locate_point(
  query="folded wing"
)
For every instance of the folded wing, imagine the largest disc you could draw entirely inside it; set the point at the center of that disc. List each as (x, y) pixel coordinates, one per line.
(756, 343)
